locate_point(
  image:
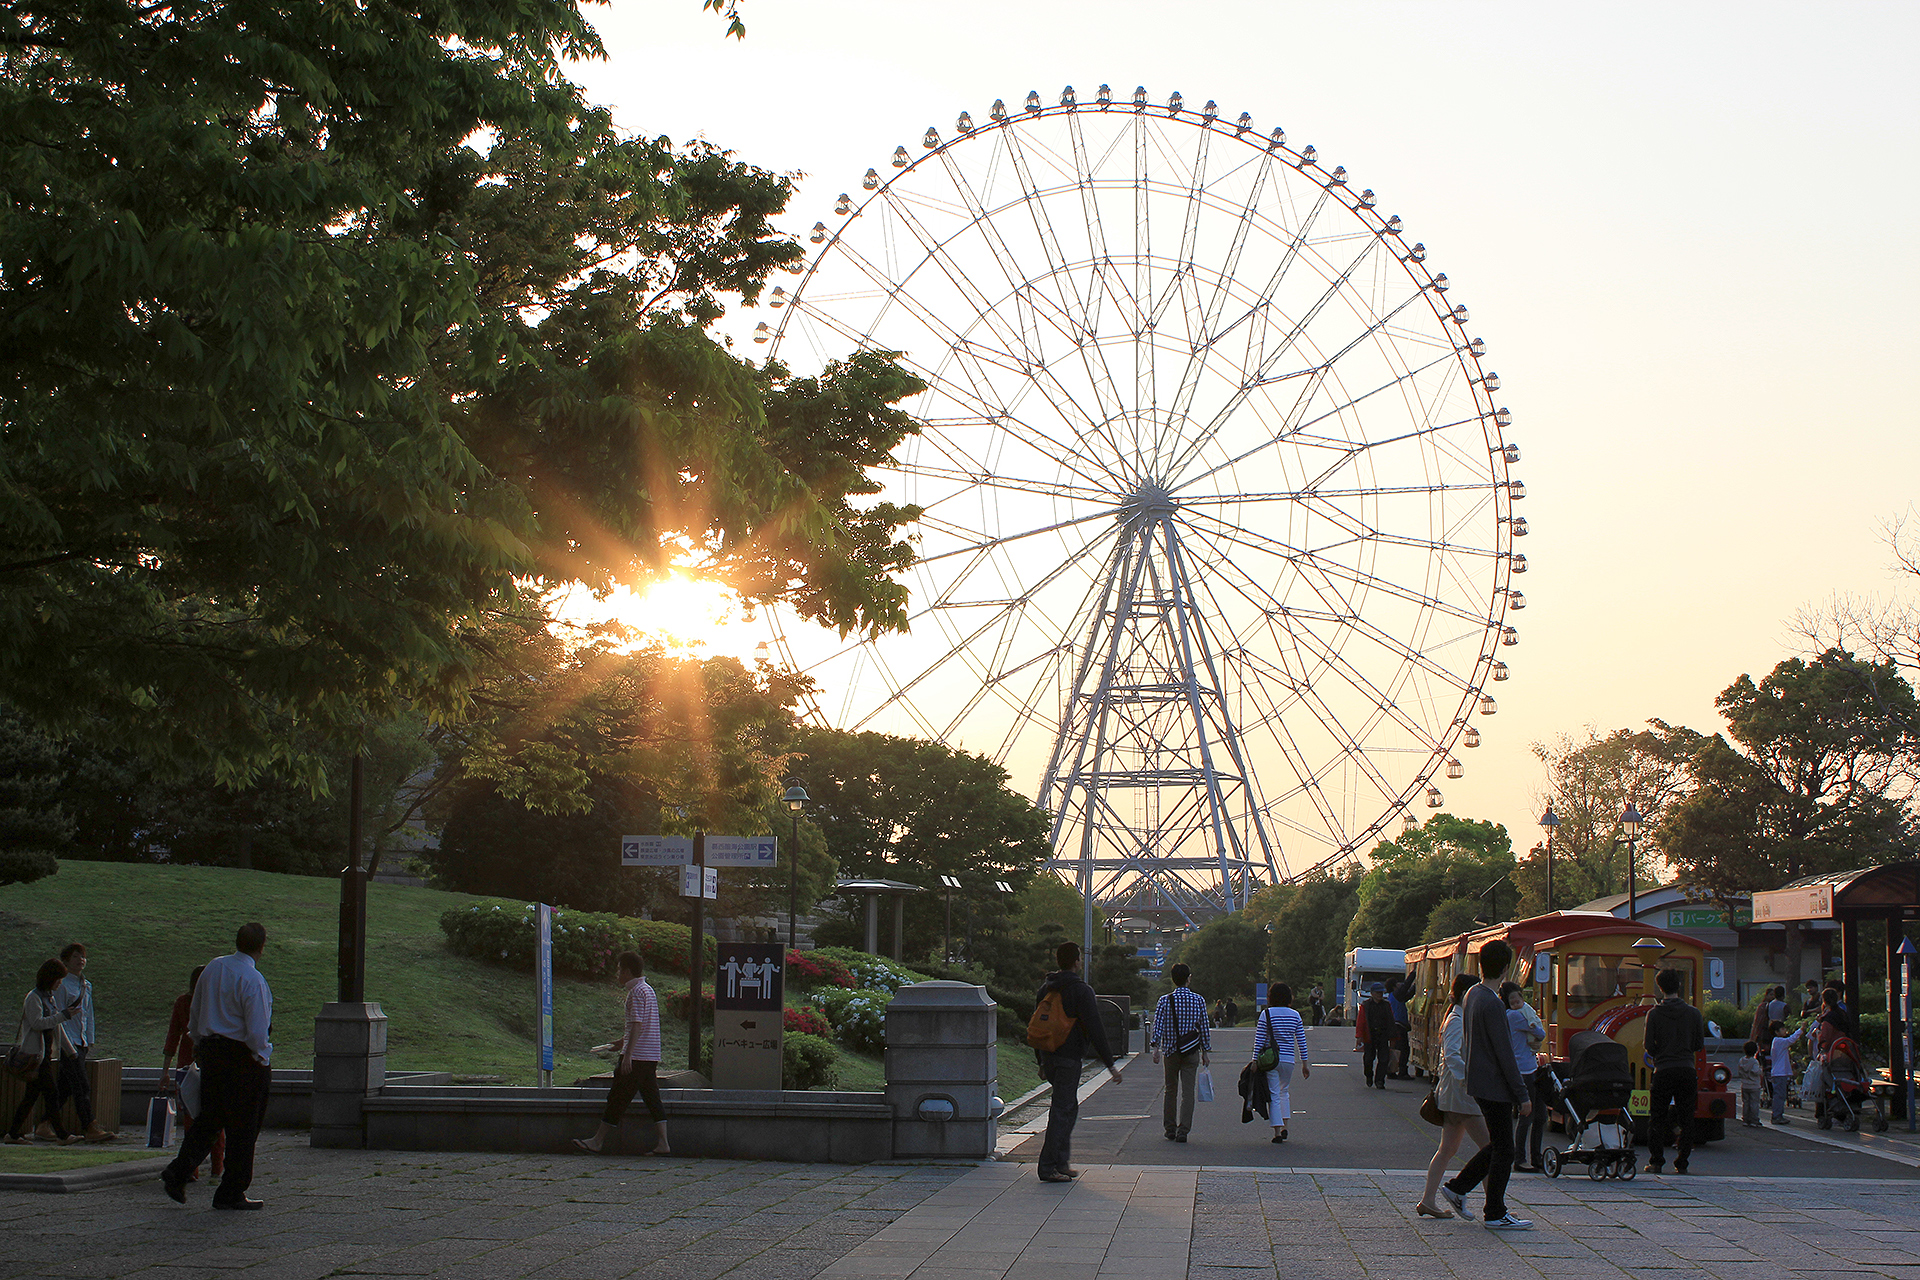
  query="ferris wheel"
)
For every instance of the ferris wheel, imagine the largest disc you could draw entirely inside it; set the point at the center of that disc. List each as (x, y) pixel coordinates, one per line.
(1218, 526)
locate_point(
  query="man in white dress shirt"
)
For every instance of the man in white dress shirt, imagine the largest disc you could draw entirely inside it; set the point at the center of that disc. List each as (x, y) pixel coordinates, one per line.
(231, 1017)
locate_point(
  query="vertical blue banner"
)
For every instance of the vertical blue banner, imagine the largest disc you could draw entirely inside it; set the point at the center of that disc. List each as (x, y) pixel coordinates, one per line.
(543, 969)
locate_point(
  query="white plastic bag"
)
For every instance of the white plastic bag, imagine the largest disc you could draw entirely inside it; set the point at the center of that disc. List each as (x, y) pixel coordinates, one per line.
(190, 1090)
(1203, 1085)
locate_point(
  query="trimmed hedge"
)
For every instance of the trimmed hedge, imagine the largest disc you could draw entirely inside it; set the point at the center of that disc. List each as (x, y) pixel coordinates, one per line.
(504, 931)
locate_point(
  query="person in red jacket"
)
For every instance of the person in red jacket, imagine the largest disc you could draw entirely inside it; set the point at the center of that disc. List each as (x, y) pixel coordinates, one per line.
(179, 1041)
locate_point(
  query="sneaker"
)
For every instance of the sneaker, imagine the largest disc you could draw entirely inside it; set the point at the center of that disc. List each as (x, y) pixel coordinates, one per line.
(1454, 1198)
(1655, 1166)
(1508, 1222)
(1783, 1121)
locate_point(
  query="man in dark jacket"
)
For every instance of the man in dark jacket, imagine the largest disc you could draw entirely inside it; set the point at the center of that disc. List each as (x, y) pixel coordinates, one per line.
(1061, 1068)
(1495, 1082)
(1374, 1029)
(1675, 1033)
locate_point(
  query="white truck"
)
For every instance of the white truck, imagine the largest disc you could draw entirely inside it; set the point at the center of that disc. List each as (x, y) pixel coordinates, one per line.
(1366, 966)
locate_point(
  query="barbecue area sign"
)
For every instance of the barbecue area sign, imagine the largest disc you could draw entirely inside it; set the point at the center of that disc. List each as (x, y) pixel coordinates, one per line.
(1809, 902)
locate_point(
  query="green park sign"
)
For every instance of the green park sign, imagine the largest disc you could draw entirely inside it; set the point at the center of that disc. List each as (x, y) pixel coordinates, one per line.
(1707, 918)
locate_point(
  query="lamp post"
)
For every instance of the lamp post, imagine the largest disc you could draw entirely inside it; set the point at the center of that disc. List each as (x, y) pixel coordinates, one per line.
(796, 800)
(1551, 821)
(1630, 823)
(949, 884)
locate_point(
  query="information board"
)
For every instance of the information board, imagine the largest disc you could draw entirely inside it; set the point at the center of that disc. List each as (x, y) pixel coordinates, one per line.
(656, 851)
(543, 967)
(743, 851)
(749, 1015)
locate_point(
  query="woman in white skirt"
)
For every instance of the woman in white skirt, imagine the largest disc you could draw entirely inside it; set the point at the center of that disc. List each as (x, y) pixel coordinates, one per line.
(1462, 1114)
(1282, 1028)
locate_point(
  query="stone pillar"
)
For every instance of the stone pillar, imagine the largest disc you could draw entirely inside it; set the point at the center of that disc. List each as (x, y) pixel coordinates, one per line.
(899, 926)
(349, 1064)
(873, 924)
(943, 1071)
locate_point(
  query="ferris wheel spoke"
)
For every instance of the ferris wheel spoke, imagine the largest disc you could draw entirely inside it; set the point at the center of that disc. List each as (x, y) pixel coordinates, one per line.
(1204, 346)
(987, 545)
(986, 479)
(1292, 432)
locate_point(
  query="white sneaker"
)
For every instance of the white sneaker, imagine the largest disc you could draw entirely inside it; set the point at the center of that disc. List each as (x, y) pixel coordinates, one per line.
(1509, 1223)
(1454, 1198)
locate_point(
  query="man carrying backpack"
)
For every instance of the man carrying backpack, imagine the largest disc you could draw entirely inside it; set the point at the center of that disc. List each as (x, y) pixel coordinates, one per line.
(1066, 1021)
(1180, 1032)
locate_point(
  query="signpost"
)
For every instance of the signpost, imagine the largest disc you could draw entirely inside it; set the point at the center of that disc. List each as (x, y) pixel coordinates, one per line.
(699, 858)
(1708, 918)
(656, 851)
(1813, 902)
(543, 969)
(749, 1016)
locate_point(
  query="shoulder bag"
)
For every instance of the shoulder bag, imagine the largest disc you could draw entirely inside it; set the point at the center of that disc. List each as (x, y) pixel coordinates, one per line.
(1430, 1107)
(22, 1062)
(1269, 1057)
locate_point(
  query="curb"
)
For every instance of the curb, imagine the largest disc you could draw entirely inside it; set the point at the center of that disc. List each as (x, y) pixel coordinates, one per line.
(100, 1175)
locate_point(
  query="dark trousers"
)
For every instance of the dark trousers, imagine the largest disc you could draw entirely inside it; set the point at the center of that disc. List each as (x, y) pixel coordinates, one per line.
(1674, 1094)
(1493, 1162)
(1063, 1073)
(641, 1077)
(1530, 1132)
(73, 1084)
(233, 1098)
(45, 1086)
(1374, 1059)
(1182, 1071)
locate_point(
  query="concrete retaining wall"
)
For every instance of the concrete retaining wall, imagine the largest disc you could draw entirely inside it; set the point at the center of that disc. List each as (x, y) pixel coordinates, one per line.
(289, 1105)
(834, 1128)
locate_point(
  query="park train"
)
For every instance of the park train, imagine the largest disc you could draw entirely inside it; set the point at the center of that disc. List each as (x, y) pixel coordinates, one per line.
(1583, 971)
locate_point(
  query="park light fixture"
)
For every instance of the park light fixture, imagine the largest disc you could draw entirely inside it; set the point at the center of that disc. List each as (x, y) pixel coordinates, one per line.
(1630, 823)
(795, 799)
(1551, 821)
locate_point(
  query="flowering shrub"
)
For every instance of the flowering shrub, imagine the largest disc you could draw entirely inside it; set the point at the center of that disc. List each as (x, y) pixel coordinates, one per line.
(811, 969)
(807, 1020)
(585, 944)
(858, 1018)
(808, 1062)
(674, 1006)
(873, 972)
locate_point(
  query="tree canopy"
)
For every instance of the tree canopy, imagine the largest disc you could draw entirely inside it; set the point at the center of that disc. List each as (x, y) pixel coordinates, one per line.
(1590, 782)
(1308, 930)
(324, 327)
(1444, 858)
(1225, 956)
(1815, 780)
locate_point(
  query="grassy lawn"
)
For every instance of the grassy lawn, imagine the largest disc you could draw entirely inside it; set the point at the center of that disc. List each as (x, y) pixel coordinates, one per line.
(51, 1159)
(146, 927)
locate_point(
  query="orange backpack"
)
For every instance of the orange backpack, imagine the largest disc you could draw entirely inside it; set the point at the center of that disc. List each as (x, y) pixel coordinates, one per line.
(1049, 1026)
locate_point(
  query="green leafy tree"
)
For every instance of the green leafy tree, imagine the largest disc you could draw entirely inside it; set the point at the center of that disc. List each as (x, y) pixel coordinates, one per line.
(910, 810)
(1453, 917)
(326, 326)
(34, 827)
(1815, 780)
(602, 743)
(1309, 930)
(1225, 956)
(1590, 782)
(1446, 857)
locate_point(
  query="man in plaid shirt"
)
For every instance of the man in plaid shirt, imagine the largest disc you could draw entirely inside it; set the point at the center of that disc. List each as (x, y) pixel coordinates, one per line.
(1180, 1036)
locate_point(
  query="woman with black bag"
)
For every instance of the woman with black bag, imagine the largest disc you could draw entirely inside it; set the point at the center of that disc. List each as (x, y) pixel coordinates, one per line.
(1459, 1115)
(42, 1036)
(1279, 1043)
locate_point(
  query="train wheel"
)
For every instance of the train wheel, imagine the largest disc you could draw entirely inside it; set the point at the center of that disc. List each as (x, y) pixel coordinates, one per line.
(1550, 1161)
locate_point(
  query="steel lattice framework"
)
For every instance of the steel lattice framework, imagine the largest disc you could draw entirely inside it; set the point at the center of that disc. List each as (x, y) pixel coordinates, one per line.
(1218, 535)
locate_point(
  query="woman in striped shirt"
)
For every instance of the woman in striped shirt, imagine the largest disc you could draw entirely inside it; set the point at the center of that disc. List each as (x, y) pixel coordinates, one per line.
(1281, 1027)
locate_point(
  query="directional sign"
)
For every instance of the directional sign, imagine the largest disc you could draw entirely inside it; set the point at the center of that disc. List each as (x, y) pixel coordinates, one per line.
(694, 885)
(656, 851)
(742, 851)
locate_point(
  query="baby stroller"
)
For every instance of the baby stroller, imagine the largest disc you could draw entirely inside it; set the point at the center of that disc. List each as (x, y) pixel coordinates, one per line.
(1594, 1097)
(1845, 1090)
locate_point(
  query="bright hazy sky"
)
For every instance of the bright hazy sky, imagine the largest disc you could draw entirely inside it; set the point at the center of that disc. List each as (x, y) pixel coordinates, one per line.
(1685, 232)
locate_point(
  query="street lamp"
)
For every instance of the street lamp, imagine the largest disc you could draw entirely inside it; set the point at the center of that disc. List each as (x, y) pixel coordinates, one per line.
(949, 884)
(1551, 821)
(796, 800)
(1630, 823)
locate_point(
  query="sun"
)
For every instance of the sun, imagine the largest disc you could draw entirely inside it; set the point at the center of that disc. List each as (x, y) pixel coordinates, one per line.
(680, 609)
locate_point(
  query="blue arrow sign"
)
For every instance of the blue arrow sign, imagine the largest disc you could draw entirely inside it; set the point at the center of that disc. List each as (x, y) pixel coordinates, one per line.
(742, 851)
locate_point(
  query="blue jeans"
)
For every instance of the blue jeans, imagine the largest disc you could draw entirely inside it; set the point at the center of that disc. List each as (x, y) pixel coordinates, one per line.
(1063, 1073)
(1780, 1098)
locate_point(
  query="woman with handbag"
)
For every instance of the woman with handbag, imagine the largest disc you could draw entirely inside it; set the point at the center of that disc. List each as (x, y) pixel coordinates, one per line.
(1280, 1042)
(1459, 1115)
(38, 1048)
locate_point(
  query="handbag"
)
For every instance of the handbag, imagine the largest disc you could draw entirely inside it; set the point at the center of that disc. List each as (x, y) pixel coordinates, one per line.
(1430, 1108)
(1268, 1058)
(1203, 1085)
(1187, 1042)
(22, 1062)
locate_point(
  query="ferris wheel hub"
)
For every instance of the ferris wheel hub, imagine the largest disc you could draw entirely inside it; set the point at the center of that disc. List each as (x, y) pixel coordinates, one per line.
(1147, 504)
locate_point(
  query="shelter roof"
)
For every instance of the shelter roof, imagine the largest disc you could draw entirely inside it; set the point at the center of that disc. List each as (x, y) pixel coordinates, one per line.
(1891, 890)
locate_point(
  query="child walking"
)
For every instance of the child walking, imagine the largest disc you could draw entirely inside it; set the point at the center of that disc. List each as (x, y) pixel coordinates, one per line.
(1782, 1067)
(1750, 1076)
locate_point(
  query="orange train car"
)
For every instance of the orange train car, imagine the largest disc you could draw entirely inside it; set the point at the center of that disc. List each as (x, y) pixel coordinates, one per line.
(1583, 971)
